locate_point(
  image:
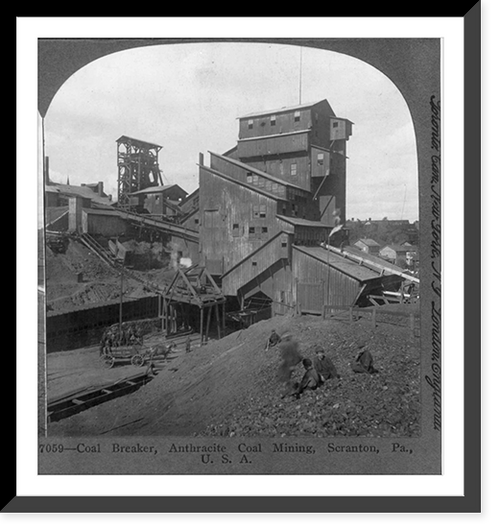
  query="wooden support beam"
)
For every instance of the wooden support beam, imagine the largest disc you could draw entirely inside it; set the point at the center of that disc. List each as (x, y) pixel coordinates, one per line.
(201, 325)
(208, 322)
(218, 320)
(223, 317)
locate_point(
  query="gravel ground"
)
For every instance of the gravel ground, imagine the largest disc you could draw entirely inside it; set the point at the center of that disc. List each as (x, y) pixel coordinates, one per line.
(383, 404)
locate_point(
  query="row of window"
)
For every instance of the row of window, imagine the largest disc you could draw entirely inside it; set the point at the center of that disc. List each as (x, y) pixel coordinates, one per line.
(254, 232)
(272, 120)
(266, 184)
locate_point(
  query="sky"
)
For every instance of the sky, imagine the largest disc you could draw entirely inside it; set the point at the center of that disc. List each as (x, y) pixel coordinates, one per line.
(187, 98)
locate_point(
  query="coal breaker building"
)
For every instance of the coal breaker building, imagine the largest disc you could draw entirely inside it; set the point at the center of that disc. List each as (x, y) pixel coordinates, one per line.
(267, 208)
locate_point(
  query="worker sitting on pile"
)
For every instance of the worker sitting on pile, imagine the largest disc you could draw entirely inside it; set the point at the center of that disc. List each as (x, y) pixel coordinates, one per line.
(311, 379)
(273, 340)
(364, 360)
(324, 366)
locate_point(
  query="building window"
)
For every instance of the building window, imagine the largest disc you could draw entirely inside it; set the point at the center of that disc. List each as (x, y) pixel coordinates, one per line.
(251, 233)
(335, 124)
(250, 124)
(321, 158)
(236, 229)
(296, 116)
(249, 177)
(293, 169)
(275, 188)
(284, 244)
(255, 211)
(264, 232)
(262, 210)
(255, 180)
(254, 263)
(273, 120)
(196, 221)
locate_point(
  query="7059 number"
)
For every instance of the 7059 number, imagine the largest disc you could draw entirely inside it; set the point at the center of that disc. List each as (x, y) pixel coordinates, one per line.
(51, 447)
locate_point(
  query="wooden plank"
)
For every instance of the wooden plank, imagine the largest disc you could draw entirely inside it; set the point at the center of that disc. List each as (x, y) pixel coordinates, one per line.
(218, 320)
(208, 321)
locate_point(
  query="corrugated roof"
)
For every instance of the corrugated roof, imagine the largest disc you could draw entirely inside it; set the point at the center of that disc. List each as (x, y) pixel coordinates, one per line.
(303, 222)
(258, 172)
(282, 109)
(341, 264)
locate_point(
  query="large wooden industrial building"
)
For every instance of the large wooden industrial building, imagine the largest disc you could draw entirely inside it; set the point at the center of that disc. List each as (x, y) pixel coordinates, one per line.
(267, 208)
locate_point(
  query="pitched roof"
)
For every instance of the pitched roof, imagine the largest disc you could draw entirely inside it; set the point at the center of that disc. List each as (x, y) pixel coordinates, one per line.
(397, 248)
(78, 190)
(283, 109)
(368, 242)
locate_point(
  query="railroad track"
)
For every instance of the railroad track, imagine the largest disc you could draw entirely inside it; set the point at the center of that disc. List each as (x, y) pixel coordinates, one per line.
(70, 405)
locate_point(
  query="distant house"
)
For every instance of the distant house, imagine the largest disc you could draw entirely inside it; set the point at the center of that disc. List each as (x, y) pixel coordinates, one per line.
(398, 253)
(161, 200)
(58, 195)
(368, 245)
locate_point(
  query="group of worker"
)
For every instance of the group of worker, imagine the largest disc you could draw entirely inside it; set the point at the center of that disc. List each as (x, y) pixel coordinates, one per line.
(318, 369)
(115, 338)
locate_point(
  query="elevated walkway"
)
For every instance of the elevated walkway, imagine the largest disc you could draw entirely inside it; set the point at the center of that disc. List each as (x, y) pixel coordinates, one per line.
(160, 225)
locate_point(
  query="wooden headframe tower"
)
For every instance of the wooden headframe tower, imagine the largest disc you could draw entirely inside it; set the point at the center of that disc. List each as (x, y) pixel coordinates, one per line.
(138, 168)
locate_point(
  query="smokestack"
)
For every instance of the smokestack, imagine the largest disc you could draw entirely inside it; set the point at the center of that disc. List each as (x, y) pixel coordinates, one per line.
(100, 188)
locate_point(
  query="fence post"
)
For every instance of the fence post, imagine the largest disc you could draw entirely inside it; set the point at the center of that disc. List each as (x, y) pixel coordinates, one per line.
(374, 317)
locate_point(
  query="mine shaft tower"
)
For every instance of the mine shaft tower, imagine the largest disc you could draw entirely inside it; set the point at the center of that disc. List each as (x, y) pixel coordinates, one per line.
(137, 168)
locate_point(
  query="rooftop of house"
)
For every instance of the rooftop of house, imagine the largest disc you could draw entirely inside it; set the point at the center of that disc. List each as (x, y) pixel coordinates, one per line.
(367, 241)
(284, 109)
(78, 190)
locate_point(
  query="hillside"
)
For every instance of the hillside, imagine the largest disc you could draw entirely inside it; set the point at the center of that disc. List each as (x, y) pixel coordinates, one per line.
(230, 387)
(77, 277)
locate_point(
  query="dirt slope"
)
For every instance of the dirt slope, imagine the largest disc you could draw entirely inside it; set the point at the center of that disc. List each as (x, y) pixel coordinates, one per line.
(230, 387)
